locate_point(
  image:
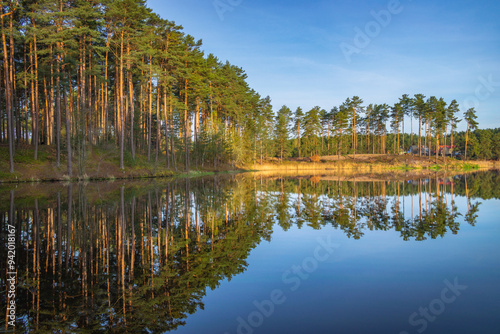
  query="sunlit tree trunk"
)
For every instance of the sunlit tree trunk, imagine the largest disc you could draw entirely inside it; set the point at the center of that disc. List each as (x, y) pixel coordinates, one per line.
(150, 108)
(8, 93)
(120, 103)
(58, 88)
(131, 101)
(158, 123)
(186, 125)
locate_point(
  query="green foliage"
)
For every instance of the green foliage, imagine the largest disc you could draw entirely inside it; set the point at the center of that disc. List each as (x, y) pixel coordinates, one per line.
(483, 147)
(312, 129)
(470, 117)
(282, 132)
(298, 128)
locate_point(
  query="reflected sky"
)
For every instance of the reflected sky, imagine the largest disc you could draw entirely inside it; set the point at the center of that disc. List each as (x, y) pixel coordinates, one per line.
(370, 285)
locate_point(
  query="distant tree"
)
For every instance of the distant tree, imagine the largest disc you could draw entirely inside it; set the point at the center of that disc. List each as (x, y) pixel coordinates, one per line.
(470, 117)
(496, 145)
(312, 130)
(452, 119)
(439, 123)
(406, 104)
(396, 115)
(340, 121)
(282, 131)
(265, 126)
(298, 127)
(324, 116)
(474, 145)
(430, 115)
(370, 126)
(354, 110)
(328, 127)
(420, 108)
(381, 115)
(484, 145)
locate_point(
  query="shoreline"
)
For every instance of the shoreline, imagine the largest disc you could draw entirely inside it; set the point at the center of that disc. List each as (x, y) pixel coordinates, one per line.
(103, 166)
(289, 169)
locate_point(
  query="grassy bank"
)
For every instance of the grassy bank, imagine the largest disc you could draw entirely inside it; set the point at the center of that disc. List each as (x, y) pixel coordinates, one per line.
(361, 176)
(101, 163)
(374, 163)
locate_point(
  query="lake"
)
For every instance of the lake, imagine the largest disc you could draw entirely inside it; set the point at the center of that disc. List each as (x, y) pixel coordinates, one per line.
(254, 253)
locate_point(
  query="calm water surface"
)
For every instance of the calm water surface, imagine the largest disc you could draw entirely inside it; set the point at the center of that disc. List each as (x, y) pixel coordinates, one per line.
(254, 254)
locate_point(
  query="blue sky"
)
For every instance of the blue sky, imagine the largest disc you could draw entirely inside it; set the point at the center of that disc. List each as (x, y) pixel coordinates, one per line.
(307, 53)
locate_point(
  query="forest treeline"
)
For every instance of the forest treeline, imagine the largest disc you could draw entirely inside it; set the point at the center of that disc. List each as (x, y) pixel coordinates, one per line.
(380, 129)
(111, 73)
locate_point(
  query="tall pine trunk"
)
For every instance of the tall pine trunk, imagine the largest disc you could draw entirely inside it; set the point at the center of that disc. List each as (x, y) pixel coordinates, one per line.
(158, 122)
(36, 130)
(58, 94)
(8, 96)
(150, 108)
(466, 140)
(167, 135)
(68, 132)
(131, 102)
(419, 135)
(120, 104)
(186, 126)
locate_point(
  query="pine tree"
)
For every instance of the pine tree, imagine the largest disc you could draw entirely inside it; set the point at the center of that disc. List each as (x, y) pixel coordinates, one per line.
(282, 132)
(432, 106)
(396, 115)
(452, 119)
(312, 130)
(354, 111)
(406, 104)
(496, 145)
(485, 144)
(470, 117)
(341, 120)
(264, 127)
(420, 108)
(381, 115)
(298, 127)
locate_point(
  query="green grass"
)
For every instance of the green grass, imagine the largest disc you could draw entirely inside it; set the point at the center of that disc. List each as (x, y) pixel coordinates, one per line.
(194, 173)
(407, 167)
(469, 166)
(27, 155)
(464, 167)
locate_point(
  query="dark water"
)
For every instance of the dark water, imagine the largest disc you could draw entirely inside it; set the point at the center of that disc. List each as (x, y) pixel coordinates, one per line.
(254, 254)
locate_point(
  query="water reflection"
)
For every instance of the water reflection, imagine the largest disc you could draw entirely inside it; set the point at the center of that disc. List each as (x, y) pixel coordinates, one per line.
(358, 206)
(140, 257)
